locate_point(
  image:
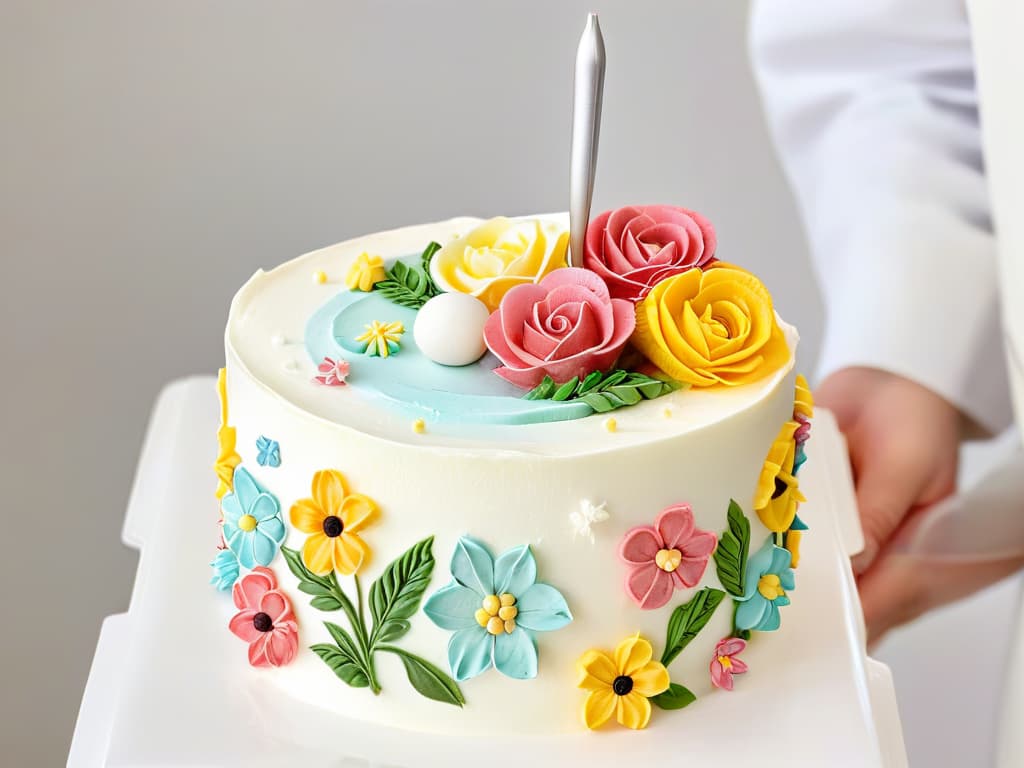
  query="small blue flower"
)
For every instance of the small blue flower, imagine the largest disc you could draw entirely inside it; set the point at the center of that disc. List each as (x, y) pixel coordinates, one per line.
(495, 607)
(768, 578)
(225, 570)
(269, 452)
(253, 528)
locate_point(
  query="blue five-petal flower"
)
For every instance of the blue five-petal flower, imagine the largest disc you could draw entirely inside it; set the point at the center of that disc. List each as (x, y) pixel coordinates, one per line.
(255, 545)
(755, 611)
(269, 452)
(472, 650)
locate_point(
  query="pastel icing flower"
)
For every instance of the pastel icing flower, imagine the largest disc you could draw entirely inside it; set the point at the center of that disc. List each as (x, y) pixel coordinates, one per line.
(498, 255)
(268, 452)
(778, 495)
(495, 607)
(586, 517)
(332, 373)
(768, 577)
(726, 662)
(264, 620)
(711, 329)
(621, 684)
(669, 555)
(333, 518)
(634, 248)
(253, 528)
(567, 325)
(225, 570)
(381, 339)
(366, 271)
(227, 456)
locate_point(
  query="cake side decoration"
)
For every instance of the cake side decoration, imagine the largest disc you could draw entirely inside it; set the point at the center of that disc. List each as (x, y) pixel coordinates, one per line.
(636, 247)
(661, 558)
(253, 528)
(265, 619)
(331, 372)
(498, 255)
(565, 326)
(714, 328)
(227, 456)
(494, 607)
(586, 517)
(225, 569)
(332, 517)
(621, 684)
(778, 491)
(732, 550)
(268, 452)
(726, 662)
(768, 578)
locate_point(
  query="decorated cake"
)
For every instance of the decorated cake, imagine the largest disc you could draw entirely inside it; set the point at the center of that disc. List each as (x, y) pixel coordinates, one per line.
(464, 485)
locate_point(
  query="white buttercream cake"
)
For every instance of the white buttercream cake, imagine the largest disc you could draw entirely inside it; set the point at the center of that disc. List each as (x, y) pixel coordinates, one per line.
(583, 527)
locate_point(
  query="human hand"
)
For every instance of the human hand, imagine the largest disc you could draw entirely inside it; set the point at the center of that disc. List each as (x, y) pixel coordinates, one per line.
(903, 441)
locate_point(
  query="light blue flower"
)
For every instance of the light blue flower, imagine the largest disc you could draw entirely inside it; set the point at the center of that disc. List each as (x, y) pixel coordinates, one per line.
(269, 452)
(768, 578)
(253, 528)
(475, 605)
(225, 570)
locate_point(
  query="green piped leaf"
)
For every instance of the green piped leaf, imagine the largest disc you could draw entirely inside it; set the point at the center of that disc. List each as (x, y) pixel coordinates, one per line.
(688, 620)
(344, 664)
(410, 287)
(396, 595)
(324, 588)
(427, 679)
(676, 697)
(604, 392)
(731, 554)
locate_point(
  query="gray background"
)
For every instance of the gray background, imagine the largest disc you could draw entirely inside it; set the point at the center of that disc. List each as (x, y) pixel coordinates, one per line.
(154, 154)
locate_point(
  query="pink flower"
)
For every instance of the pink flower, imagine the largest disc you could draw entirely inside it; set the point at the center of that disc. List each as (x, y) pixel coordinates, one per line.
(634, 248)
(332, 373)
(264, 620)
(726, 662)
(564, 326)
(803, 432)
(672, 554)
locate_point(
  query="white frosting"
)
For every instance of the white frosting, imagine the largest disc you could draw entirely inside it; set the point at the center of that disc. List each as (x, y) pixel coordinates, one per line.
(504, 485)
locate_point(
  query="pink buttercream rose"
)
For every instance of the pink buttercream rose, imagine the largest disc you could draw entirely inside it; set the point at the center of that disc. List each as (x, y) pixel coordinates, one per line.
(265, 619)
(564, 326)
(634, 248)
(669, 555)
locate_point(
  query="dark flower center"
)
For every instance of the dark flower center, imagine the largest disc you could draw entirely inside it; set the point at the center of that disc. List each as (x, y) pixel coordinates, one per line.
(333, 526)
(262, 622)
(781, 486)
(622, 685)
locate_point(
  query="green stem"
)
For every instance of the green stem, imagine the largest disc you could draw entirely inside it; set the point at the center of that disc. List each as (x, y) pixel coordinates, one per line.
(355, 618)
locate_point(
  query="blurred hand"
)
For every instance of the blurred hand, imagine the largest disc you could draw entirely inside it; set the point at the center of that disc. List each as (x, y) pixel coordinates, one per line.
(903, 441)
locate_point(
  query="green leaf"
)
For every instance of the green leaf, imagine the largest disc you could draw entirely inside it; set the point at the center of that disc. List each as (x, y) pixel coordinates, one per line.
(604, 392)
(395, 596)
(344, 640)
(309, 582)
(313, 589)
(345, 666)
(325, 603)
(430, 681)
(688, 620)
(542, 391)
(410, 286)
(564, 391)
(676, 697)
(591, 381)
(731, 554)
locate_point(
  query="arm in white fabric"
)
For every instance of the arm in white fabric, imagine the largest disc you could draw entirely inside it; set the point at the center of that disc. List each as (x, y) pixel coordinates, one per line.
(873, 109)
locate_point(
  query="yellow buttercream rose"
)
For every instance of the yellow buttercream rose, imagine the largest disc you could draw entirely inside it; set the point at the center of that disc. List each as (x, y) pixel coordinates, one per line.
(498, 255)
(711, 328)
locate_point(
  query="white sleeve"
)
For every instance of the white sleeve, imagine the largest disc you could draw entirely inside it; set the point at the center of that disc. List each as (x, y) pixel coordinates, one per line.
(873, 109)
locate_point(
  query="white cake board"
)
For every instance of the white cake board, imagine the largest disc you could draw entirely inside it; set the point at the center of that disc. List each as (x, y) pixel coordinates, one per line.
(168, 686)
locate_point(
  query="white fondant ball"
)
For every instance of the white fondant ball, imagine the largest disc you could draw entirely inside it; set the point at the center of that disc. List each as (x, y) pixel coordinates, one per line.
(449, 329)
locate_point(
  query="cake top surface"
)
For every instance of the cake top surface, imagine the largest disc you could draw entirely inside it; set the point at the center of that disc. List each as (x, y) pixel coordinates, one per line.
(306, 331)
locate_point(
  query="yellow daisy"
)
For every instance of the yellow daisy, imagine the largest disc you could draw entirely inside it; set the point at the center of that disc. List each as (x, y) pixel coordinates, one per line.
(622, 684)
(381, 339)
(332, 518)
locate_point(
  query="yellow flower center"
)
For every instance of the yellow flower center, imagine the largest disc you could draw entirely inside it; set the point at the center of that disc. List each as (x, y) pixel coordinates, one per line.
(498, 614)
(770, 587)
(725, 661)
(668, 559)
(712, 325)
(247, 523)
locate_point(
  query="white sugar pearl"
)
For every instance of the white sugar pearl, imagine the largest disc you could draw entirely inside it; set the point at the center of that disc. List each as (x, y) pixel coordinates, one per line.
(449, 329)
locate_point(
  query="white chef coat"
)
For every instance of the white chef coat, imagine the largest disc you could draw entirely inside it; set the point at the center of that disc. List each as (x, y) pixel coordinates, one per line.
(875, 112)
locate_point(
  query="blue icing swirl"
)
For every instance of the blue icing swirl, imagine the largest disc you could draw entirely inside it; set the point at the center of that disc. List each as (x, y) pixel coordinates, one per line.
(413, 385)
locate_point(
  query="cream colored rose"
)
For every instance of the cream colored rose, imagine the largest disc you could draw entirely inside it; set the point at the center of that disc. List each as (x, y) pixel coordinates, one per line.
(499, 255)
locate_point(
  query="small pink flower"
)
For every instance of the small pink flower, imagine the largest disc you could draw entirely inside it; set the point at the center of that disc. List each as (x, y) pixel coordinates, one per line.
(803, 432)
(669, 555)
(726, 662)
(332, 372)
(264, 620)
(564, 326)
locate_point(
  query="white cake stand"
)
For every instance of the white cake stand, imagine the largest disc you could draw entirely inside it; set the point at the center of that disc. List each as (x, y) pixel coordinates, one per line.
(167, 688)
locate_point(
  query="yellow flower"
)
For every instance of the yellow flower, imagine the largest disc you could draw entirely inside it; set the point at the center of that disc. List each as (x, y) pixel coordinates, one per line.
(778, 490)
(332, 518)
(621, 685)
(381, 339)
(227, 458)
(711, 328)
(803, 404)
(498, 255)
(365, 272)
